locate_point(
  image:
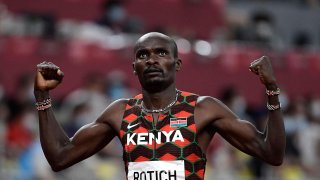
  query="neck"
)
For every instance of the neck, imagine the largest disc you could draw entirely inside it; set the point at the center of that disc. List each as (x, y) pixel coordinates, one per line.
(160, 99)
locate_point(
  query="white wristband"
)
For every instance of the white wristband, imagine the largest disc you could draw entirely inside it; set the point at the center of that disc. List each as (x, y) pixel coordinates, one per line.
(273, 107)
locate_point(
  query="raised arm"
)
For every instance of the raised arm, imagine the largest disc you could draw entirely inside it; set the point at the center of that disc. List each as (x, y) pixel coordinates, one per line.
(60, 150)
(268, 145)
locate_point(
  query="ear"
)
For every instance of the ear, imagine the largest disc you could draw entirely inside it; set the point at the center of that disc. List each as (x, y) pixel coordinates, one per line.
(178, 64)
(134, 69)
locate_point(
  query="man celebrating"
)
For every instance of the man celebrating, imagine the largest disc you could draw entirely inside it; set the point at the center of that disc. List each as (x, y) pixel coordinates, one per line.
(164, 131)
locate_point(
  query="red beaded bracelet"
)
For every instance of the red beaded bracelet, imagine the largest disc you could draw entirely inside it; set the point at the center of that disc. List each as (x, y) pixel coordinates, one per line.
(273, 92)
(45, 104)
(43, 107)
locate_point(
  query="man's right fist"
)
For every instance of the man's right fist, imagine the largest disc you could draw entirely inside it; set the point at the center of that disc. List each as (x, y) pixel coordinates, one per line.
(48, 76)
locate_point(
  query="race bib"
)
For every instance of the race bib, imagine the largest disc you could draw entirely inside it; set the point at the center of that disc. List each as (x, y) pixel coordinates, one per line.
(156, 170)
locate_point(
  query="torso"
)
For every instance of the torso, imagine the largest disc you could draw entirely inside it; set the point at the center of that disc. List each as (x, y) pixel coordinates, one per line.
(168, 136)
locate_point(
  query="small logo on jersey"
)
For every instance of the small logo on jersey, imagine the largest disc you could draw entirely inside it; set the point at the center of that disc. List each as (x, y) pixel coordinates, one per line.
(178, 122)
(131, 126)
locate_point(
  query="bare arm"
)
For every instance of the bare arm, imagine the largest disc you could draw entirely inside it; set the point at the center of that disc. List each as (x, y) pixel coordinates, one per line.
(268, 145)
(60, 150)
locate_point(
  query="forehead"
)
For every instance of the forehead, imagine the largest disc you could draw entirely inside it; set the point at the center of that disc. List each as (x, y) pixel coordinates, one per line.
(153, 42)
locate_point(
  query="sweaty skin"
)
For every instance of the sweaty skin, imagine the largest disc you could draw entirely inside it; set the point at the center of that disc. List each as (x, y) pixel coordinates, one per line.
(155, 64)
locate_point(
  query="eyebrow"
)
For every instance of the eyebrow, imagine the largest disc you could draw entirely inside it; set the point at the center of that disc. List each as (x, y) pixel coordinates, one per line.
(141, 50)
(161, 49)
(138, 50)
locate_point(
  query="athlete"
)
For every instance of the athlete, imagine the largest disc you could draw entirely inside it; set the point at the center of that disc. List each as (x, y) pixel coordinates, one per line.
(164, 131)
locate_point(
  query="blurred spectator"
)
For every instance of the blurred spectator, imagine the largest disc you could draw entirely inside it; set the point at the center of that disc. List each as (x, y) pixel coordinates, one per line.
(27, 23)
(23, 96)
(33, 164)
(49, 30)
(309, 139)
(117, 86)
(222, 159)
(256, 28)
(302, 41)
(263, 24)
(284, 99)
(91, 95)
(235, 101)
(295, 121)
(9, 23)
(313, 3)
(4, 115)
(264, 32)
(78, 117)
(19, 134)
(237, 26)
(314, 108)
(21, 128)
(116, 17)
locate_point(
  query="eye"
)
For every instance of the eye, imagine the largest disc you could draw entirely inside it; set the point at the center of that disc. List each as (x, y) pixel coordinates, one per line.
(142, 55)
(162, 53)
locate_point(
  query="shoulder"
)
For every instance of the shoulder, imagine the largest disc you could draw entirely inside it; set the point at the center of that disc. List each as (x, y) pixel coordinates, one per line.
(118, 105)
(112, 115)
(186, 93)
(210, 109)
(208, 101)
(202, 102)
(208, 104)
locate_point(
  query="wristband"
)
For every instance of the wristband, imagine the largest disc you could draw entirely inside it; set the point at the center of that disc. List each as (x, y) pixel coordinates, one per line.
(43, 105)
(273, 107)
(273, 92)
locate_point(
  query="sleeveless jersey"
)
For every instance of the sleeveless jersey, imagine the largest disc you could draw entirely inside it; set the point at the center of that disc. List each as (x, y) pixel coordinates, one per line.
(172, 137)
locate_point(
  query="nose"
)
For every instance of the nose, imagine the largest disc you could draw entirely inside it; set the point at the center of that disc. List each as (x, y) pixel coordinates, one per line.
(152, 59)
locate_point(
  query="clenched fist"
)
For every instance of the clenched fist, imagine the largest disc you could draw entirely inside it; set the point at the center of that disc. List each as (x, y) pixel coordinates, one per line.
(48, 76)
(263, 68)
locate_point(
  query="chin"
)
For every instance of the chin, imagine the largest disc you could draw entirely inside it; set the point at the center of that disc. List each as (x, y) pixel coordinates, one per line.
(155, 85)
(150, 81)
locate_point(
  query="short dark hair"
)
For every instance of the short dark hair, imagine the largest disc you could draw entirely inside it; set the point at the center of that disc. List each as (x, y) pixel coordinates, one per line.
(170, 40)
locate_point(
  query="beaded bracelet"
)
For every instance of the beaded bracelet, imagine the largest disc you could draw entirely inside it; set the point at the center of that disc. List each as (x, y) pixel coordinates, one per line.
(273, 92)
(43, 105)
(273, 107)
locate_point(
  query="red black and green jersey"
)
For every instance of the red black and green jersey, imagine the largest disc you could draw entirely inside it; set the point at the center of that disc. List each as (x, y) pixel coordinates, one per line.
(172, 137)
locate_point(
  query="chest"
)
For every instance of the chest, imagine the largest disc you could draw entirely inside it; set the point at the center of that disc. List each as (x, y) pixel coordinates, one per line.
(155, 130)
(157, 134)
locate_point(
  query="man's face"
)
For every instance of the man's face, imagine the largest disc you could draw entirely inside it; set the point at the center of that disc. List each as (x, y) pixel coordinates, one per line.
(155, 64)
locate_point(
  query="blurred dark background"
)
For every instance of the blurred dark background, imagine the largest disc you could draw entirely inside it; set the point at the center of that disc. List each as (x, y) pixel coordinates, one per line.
(92, 40)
